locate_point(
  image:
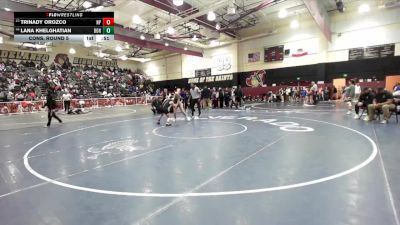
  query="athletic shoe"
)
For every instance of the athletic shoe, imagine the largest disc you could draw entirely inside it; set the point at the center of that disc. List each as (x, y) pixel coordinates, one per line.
(348, 113)
(188, 119)
(158, 123)
(357, 117)
(384, 122)
(167, 124)
(196, 117)
(367, 119)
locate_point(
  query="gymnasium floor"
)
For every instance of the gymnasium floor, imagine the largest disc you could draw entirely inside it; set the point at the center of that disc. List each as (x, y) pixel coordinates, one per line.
(273, 164)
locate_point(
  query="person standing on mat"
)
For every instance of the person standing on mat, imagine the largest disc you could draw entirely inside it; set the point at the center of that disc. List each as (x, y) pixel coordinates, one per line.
(239, 96)
(350, 94)
(177, 104)
(195, 94)
(51, 107)
(67, 100)
(221, 96)
(206, 94)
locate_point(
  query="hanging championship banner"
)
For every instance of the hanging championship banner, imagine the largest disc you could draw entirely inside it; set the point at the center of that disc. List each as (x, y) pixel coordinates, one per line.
(95, 62)
(18, 55)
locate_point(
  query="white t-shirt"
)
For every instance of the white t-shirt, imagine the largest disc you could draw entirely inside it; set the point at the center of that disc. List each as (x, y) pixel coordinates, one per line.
(314, 88)
(195, 93)
(67, 97)
(357, 90)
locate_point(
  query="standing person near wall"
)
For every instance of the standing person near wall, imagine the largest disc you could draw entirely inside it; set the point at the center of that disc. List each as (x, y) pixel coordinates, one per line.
(227, 97)
(221, 95)
(239, 96)
(350, 95)
(66, 97)
(51, 107)
(313, 93)
(206, 95)
(357, 91)
(195, 95)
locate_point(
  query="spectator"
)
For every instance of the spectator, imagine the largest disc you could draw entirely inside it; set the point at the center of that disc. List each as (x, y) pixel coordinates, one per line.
(239, 96)
(366, 98)
(221, 98)
(383, 101)
(396, 90)
(350, 95)
(206, 95)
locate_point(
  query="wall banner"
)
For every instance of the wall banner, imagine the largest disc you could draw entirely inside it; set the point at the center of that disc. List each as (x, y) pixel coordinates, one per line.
(26, 56)
(254, 79)
(208, 79)
(95, 62)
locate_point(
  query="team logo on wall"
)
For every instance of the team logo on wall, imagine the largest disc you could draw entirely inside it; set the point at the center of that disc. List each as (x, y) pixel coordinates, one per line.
(60, 59)
(257, 79)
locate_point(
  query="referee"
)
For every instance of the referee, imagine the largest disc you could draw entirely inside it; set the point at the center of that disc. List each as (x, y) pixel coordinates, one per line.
(195, 95)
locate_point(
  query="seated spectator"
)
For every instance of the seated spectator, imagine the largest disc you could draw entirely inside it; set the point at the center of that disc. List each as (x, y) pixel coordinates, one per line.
(396, 90)
(20, 97)
(383, 101)
(366, 98)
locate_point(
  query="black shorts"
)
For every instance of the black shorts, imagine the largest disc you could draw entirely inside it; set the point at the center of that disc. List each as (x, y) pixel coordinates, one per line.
(167, 110)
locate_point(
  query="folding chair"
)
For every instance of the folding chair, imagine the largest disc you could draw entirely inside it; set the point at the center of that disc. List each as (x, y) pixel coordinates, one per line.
(363, 111)
(396, 109)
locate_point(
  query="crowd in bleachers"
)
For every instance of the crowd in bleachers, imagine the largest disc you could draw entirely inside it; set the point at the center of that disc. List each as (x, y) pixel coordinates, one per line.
(28, 80)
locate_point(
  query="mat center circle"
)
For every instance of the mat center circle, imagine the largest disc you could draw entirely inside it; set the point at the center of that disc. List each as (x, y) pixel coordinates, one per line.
(201, 130)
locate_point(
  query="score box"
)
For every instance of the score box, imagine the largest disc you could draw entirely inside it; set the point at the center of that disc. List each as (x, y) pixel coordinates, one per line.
(108, 30)
(108, 21)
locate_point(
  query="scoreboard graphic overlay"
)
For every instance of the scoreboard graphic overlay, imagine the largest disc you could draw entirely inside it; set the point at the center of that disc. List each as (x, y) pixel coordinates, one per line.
(63, 26)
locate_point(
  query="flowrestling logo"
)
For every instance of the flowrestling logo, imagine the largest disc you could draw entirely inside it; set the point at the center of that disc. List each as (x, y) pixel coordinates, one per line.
(283, 125)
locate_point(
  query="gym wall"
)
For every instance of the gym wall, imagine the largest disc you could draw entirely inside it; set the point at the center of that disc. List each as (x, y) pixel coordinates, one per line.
(349, 31)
